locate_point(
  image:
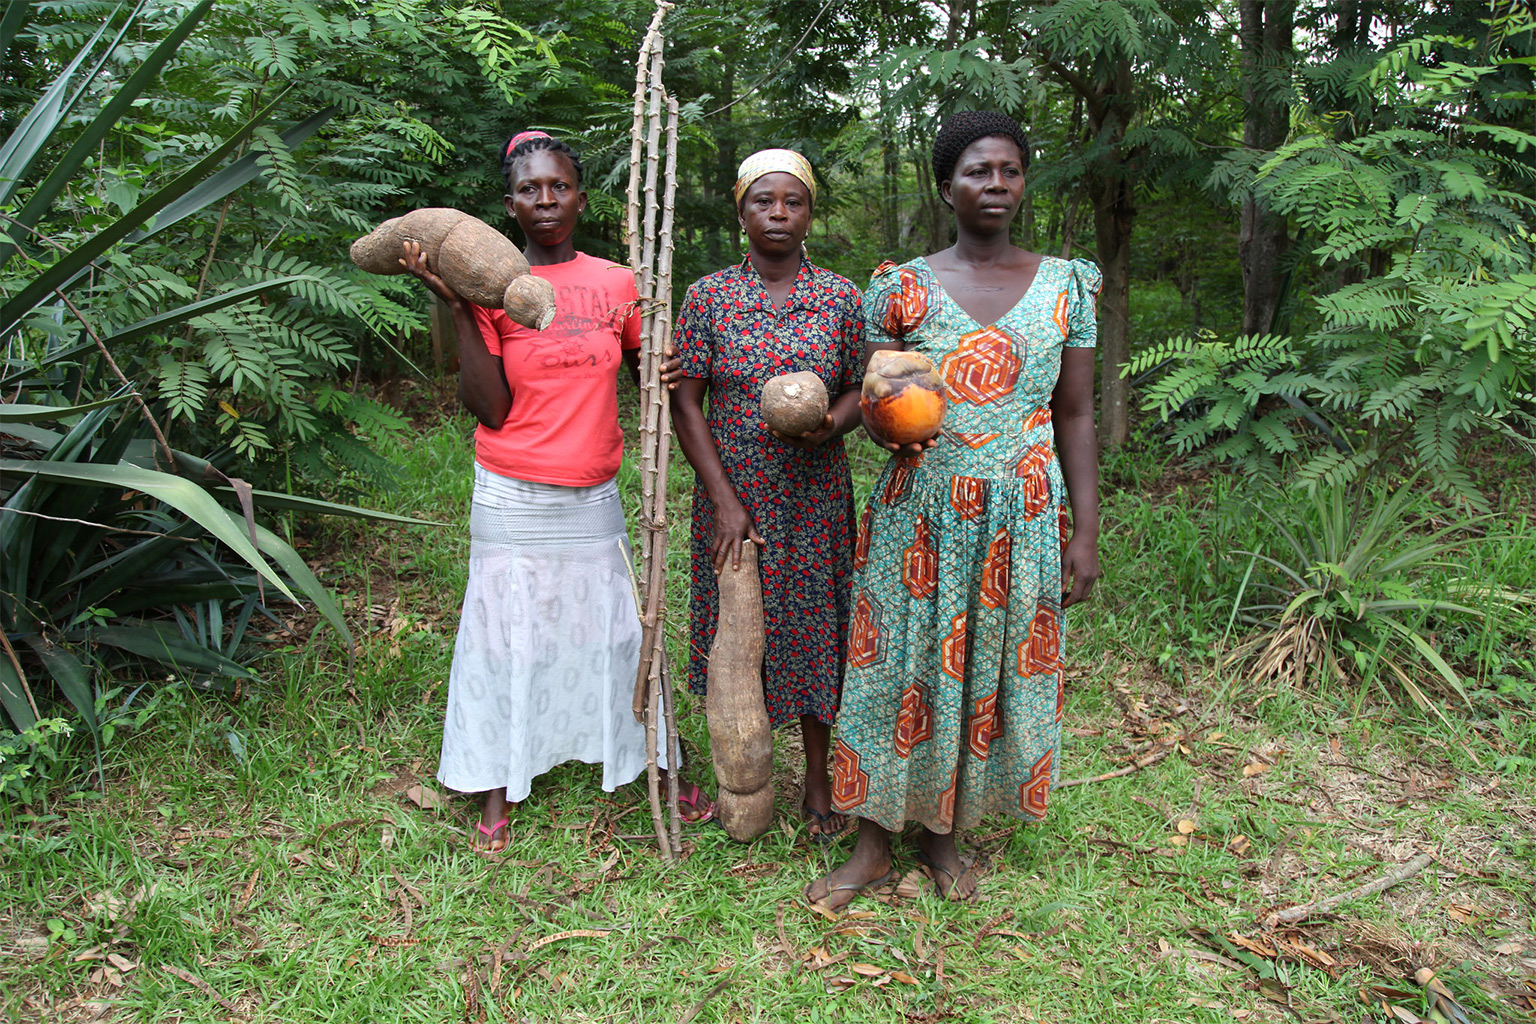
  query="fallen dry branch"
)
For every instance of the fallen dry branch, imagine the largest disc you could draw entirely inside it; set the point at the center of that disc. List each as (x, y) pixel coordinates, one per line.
(1147, 760)
(1400, 873)
(199, 984)
(719, 987)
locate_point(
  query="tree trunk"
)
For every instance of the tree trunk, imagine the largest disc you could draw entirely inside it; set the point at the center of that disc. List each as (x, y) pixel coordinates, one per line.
(934, 212)
(1114, 215)
(1267, 39)
(890, 151)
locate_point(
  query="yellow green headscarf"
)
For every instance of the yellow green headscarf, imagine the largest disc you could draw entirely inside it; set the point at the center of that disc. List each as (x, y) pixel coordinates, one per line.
(767, 161)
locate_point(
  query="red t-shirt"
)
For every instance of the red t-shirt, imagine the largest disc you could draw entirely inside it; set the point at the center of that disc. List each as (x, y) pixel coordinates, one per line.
(563, 427)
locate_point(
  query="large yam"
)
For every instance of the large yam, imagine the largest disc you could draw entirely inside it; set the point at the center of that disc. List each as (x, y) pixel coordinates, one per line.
(479, 262)
(530, 301)
(745, 816)
(379, 252)
(794, 403)
(740, 736)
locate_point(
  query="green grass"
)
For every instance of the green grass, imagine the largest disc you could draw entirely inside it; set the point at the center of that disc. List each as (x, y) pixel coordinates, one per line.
(264, 846)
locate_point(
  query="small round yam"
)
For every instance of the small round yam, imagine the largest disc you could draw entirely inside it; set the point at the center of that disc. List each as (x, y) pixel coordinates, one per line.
(478, 262)
(745, 816)
(530, 301)
(903, 397)
(794, 403)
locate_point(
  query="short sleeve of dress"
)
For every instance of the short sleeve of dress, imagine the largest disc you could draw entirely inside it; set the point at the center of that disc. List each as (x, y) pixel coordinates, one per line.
(852, 351)
(694, 335)
(1083, 286)
(896, 303)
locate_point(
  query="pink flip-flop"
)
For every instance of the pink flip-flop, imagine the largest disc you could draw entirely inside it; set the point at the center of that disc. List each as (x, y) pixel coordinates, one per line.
(490, 836)
(691, 795)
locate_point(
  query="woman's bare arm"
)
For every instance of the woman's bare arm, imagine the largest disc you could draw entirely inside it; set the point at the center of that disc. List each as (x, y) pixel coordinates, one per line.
(1077, 446)
(733, 525)
(482, 379)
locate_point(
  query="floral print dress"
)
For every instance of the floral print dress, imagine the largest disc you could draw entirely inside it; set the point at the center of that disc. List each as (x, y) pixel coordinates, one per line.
(953, 696)
(730, 334)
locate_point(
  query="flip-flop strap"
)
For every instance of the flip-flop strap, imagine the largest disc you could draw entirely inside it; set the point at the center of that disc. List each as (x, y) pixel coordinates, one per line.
(490, 833)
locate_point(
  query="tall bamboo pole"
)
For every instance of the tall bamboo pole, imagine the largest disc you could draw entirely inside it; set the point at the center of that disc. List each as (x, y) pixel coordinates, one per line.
(650, 249)
(663, 458)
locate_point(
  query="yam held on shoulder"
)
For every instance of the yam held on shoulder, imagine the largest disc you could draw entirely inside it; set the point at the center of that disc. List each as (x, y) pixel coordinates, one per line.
(472, 258)
(794, 403)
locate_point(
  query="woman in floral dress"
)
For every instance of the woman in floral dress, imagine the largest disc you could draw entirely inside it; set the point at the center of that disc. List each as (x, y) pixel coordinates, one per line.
(953, 695)
(771, 314)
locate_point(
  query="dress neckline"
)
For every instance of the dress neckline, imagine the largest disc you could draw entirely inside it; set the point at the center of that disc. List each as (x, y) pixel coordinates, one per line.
(762, 286)
(965, 313)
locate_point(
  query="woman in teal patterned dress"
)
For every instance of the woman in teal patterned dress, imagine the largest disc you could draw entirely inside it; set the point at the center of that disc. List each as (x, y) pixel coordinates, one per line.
(953, 695)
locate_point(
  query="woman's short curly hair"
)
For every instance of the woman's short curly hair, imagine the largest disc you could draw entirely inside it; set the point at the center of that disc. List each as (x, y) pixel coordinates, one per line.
(536, 142)
(961, 129)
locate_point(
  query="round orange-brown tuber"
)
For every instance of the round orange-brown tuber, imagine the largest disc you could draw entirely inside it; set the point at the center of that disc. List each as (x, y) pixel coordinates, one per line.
(903, 397)
(794, 403)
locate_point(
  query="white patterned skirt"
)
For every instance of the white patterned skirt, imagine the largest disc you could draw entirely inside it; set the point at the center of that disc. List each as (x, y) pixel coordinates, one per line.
(549, 640)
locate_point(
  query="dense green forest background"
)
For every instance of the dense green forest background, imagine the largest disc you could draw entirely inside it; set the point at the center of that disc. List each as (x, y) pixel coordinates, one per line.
(1300, 706)
(1314, 221)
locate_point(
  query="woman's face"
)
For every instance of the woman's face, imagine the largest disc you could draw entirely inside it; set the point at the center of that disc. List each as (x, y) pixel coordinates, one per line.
(988, 184)
(775, 213)
(546, 198)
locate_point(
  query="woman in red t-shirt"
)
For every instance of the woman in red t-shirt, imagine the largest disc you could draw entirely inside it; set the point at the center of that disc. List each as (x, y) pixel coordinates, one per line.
(549, 639)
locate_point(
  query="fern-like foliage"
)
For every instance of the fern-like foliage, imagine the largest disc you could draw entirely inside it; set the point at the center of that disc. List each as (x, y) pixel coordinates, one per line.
(1421, 221)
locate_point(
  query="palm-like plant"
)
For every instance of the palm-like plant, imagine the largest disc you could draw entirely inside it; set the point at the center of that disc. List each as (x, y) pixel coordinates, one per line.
(115, 549)
(1348, 590)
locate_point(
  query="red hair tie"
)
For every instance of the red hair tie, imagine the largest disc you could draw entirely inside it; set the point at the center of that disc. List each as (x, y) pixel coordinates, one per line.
(522, 137)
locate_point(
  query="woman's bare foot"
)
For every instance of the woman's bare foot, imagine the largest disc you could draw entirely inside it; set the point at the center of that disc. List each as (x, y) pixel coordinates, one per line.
(953, 879)
(491, 833)
(869, 867)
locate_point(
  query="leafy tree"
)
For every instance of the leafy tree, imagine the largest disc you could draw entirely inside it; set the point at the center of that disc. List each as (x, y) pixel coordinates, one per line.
(1421, 238)
(348, 94)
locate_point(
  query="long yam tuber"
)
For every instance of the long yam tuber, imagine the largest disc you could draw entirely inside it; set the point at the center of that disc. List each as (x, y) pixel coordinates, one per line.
(744, 816)
(740, 736)
(473, 258)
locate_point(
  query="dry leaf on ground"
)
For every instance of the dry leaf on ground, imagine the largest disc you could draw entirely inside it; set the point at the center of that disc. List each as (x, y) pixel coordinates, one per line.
(426, 798)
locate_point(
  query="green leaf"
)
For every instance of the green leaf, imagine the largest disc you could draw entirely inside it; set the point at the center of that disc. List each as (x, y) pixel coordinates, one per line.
(18, 412)
(293, 564)
(36, 130)
(230, 178)
(1430, 655)
(171, 317)
(74, 262)
(183, 495)
(16, 696)
(88, 141)
(161, 643)
(71, 675)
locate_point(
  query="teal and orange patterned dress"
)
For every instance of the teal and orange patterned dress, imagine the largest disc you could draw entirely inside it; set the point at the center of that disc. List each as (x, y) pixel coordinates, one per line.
(953, 695)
